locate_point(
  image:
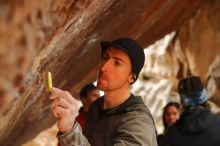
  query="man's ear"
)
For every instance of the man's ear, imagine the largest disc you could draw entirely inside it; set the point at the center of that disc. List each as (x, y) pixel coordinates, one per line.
(131, 78)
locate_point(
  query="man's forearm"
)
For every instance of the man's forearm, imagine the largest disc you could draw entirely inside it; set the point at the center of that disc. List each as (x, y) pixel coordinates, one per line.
(74, 137)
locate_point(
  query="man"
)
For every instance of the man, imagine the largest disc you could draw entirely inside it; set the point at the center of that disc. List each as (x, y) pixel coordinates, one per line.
(88, 94)
(118, 118)
(196, 126)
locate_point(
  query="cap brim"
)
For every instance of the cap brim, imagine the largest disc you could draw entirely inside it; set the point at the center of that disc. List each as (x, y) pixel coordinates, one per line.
(105, 45)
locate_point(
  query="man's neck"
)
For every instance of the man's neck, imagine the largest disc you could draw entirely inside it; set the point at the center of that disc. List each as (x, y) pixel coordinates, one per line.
(114, 98)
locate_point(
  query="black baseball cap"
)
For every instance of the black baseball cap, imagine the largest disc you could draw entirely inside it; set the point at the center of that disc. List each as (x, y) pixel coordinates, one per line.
(132, 48)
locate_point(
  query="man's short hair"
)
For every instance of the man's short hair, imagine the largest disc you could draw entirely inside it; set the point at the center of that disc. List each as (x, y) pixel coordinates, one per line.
(86, 89)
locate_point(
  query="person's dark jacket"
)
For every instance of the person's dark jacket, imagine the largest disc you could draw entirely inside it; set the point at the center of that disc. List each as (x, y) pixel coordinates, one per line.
(129, 124)
(196, 127)
(161, 140)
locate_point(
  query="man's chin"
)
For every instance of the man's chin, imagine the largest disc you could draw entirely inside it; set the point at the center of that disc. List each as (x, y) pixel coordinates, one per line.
(100, 86)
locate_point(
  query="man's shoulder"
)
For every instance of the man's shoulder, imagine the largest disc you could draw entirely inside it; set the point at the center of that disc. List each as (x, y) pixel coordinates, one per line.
(137, 105)
(138, 110)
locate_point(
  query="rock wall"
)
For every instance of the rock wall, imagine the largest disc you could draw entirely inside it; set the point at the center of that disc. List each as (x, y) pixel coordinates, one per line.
(45, 138)
(63, 36)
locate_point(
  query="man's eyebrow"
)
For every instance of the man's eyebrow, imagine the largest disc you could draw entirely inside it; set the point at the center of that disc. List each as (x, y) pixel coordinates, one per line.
(117, 58)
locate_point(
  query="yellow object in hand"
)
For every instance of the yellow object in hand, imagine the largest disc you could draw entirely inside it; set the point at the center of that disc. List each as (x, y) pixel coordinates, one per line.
(48, 81)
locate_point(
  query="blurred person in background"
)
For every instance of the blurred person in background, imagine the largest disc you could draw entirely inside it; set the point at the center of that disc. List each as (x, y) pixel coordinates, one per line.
(171, 114)
(88, 95)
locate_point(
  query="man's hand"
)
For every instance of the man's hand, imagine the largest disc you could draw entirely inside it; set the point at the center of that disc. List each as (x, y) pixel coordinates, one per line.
(65, 108)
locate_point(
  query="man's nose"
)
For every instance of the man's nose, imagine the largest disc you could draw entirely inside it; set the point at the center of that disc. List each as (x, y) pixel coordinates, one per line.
(105, 66)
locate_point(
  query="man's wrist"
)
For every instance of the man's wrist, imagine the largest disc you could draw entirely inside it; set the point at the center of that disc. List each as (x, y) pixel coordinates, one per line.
(60, 133)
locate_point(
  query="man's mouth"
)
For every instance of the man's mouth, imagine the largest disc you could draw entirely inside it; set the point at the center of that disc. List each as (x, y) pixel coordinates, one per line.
(102, 77)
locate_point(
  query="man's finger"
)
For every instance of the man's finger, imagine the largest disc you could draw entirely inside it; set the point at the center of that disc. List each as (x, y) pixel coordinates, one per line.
(58, 111)
(61, 102)
(66, 95)
(55, 90)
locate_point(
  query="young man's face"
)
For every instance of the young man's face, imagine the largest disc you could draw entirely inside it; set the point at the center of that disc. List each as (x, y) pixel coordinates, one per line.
(115, 70)
(92, 95)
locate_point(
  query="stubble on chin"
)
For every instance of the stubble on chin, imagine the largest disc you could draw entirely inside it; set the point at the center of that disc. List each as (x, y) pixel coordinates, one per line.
(101, 86)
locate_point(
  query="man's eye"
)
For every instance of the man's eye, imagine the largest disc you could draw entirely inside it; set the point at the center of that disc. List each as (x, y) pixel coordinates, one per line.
(117, 63)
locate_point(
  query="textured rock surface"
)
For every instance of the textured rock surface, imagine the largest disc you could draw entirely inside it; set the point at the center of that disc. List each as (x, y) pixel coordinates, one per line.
(45, 138)
(62, 36)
